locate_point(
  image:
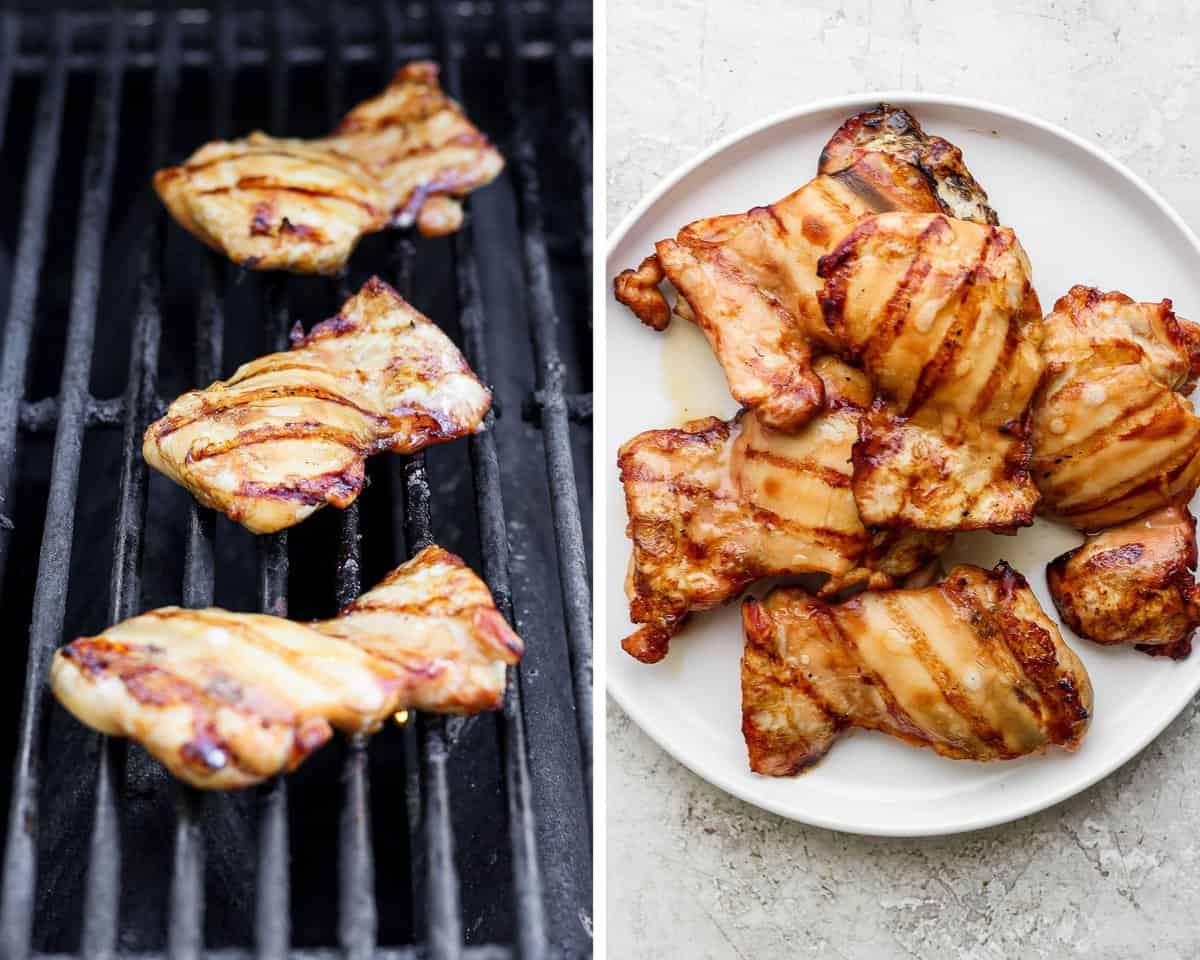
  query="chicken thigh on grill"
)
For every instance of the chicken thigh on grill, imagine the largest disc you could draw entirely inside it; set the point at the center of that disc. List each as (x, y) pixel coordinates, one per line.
(271, 203)
(290, 432)
(229, 699)
(970, 667)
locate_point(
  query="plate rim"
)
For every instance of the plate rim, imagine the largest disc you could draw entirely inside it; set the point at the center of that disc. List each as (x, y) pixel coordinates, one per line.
(903, 98)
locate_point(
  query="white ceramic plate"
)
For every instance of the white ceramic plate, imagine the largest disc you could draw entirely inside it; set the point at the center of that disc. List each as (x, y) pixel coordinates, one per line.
(1083, 218)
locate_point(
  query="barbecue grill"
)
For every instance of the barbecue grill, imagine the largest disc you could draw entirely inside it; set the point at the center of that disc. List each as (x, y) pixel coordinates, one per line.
(437, 837)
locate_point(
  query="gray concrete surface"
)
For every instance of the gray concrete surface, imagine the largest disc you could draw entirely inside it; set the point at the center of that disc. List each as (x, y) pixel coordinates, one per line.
(693, 873)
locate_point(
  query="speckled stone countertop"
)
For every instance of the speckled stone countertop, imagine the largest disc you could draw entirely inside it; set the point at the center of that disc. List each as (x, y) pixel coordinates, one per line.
(1113, 873)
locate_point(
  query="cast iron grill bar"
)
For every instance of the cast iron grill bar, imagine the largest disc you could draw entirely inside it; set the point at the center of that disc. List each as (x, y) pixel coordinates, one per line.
(185, 924)
(356, 900)
(272, 919)
(443, 919)
(485, 468)
(493, 536)
(579, 406)
(9, 39)
(560, 468)
(442, 914)
(31, 249)
(54, 561)
(102, 896)
(403, 256)
(485, 952)
(304, 54)
(357, 918)
(579, 132)
(41, 416)
(272, 906)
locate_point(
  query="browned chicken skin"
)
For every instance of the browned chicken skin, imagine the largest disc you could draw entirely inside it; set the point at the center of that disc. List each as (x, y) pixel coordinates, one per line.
(1114, 435)
(863, 262)
(1133, 583)
(941, 316)
(717, 504)
(271, 203)
(229, 699)
(896, 132)
(749, 281)
(970, 667)
(289, 432)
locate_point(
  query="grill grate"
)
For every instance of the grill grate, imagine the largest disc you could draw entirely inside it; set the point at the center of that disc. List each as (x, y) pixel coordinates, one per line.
(545, 777)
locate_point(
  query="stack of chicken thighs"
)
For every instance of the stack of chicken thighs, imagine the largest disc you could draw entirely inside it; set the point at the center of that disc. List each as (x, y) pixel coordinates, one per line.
(899, 383)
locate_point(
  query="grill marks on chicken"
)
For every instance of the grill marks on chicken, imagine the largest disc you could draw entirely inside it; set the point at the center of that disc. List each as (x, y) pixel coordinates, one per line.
(230, 699)
(434, 620)
(272, 203)
(289, 432)
(896, 132)
(971, 668)
(1114, 435)
(941, 315)
(749, 281)
(1133, 583)
(717, 504)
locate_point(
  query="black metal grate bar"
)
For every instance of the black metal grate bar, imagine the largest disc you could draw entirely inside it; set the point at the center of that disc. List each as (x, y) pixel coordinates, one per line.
(10, 28)
(579, 131)
(485, 467)
(356, 911)
(303, 55)
(185, 925)
(272, 922)
(49, 605)
(444, 925)
(102, 895)
(486, 952)
(272, 907)
(560, 468)
(31, 250)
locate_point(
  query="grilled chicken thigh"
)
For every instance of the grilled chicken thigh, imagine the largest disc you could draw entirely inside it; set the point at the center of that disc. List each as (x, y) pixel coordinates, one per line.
(229, 699)
(896, 132)
(971, 668)
(1113, 433)
(1133, 583)
(289, 432)
(749, 281)
(271, 203)
(717, 504)
(435, 620)
(941, 316)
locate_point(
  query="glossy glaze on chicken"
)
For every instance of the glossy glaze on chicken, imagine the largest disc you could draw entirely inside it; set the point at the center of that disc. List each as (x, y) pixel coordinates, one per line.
(717, 504)
(290, 432)
(1114, 435)
(271, 203)
(971, 668)
(749, 281)
(1133, 583)
(896, 132)
(942, 317)
(229, 699)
